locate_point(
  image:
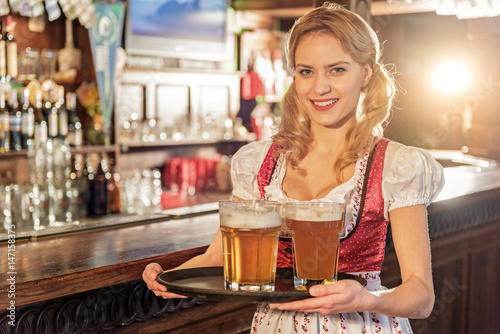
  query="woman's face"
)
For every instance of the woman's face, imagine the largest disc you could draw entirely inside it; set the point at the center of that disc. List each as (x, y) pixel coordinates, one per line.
(328, 80)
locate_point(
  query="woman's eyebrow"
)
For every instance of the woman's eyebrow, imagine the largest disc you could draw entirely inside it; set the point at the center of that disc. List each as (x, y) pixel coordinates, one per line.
(341, 62)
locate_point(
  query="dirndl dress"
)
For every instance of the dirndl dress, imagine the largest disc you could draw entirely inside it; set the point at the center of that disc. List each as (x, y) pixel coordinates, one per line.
(363, 239)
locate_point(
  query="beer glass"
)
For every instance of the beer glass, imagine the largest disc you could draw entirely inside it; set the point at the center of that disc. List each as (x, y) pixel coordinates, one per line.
(315, 229)
(250, 232)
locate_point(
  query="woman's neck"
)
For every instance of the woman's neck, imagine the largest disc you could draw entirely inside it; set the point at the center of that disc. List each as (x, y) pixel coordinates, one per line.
(328, 140)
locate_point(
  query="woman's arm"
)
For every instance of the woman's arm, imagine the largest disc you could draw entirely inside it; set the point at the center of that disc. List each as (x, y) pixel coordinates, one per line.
(414, 298)
(211, 257)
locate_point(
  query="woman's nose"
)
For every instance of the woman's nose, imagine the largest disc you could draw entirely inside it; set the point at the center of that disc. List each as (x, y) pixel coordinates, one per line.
(322, 85)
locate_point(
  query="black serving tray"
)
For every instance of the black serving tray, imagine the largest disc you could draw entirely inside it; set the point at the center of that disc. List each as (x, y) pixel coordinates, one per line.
(208, 283)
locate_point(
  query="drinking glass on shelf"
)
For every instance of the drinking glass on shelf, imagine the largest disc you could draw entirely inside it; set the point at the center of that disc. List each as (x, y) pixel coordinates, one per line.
(6, 207)
(48, 62)
(21, 201)
(141, 192)
(29, 64)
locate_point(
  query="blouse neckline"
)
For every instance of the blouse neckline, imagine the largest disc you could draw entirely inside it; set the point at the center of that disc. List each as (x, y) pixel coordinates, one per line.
(348, 192)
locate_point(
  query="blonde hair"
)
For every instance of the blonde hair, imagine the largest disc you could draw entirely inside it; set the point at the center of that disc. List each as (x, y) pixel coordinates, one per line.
(361, 43)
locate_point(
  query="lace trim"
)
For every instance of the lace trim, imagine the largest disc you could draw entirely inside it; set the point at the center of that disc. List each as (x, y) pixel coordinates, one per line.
(277, 168)
(355, 199)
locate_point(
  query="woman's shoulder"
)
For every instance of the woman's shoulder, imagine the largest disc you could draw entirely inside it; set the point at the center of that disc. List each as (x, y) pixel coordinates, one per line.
(411, 176)
(400, 152)
(254, 150)
(245, 165)
(251, 154)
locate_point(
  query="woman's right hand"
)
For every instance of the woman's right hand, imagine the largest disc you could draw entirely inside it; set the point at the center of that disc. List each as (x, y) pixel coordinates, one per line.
(149, 276)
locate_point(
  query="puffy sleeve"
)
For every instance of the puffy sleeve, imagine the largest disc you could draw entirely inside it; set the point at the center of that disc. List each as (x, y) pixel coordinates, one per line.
(411, 176)
(245, 165)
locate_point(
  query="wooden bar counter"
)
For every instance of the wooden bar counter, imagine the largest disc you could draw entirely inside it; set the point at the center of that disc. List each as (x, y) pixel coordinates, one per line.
(64, 273)
(90, 281)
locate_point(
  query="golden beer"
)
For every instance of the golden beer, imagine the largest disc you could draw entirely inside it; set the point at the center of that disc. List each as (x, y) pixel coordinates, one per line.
(315, 229)
(250, 231)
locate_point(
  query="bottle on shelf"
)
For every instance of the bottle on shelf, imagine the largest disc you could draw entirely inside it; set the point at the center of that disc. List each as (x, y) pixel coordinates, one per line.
(114, 190)
(84, 181)
(15, 122)
(28, 120)
(281, 73)
(62, 114)
(251, 84)
(78, 179)
(4, 125)
(41, 132)
(11, 48)
(264, 68)
(3, 52)
(51, 114)
(75, 132)
(97, 196)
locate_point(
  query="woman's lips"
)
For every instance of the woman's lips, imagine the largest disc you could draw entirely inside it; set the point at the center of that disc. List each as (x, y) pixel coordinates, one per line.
(322, 105)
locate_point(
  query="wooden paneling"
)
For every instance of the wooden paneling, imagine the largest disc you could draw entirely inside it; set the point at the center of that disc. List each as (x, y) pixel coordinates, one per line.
(484, 303)
(448, 314)
(212, 317)
(465, 269)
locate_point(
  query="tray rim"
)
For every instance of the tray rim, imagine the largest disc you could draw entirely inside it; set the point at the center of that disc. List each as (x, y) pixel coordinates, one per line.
(237, 296)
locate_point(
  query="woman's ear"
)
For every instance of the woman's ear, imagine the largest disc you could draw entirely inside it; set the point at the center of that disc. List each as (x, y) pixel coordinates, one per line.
(367, 75)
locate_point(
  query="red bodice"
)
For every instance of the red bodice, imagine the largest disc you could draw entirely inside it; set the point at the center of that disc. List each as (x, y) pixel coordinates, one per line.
(364, 248)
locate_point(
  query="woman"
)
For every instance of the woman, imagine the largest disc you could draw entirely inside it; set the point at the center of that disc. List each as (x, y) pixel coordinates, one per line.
(330, 147)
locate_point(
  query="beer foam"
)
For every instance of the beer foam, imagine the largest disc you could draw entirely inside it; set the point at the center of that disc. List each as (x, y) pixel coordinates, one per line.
(249, 218)
(316, 215)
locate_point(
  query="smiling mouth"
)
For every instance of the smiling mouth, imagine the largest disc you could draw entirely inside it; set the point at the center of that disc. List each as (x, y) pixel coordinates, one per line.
(324, 103)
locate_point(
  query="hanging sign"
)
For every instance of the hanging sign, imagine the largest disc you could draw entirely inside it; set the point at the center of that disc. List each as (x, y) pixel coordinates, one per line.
(105, 37)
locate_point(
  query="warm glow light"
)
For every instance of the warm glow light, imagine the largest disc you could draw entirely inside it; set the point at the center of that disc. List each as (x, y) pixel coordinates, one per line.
(451, 77)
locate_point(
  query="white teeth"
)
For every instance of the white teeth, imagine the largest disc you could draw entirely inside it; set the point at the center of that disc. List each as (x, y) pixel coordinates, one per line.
(324, 104)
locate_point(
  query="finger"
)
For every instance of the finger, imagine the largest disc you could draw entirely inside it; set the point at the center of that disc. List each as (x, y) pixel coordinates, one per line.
(173, 295)
(321, 290)
(168, 295)
(328, 289)
(155, 286)
(150, 273)
(309, 303)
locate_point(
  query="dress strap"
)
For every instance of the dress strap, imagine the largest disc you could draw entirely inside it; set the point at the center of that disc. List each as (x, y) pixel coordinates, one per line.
(377, 153)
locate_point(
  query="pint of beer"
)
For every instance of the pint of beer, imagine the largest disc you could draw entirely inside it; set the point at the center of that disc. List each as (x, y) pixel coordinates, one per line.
(250, 231)
(315, 228)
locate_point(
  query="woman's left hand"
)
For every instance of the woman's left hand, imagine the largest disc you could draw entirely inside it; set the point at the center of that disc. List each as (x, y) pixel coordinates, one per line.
(342, 296)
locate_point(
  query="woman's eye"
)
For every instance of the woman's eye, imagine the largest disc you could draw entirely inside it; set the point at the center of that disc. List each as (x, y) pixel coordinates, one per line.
(305, 72)
(338, 70)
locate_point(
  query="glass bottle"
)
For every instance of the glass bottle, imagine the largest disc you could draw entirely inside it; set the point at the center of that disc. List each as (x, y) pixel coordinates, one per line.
(97, 199)
(75, 132)
(62, 114)
(11, 48)
(3, 52)
(4, 125)
(38, 152)
(28, 120)
(114, 191)
(78, 180)
(51, 114)
(15, 122)
(40, 121)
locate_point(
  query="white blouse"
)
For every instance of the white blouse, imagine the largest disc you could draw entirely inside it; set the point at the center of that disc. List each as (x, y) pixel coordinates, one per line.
(411, 176)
